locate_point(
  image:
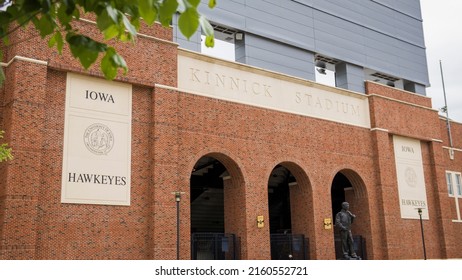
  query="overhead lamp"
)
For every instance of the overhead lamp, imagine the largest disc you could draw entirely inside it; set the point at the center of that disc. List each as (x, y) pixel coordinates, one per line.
(321, 67)
(321, 71)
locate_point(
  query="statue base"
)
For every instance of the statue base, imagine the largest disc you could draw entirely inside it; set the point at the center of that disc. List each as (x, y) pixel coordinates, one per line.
(357, 258)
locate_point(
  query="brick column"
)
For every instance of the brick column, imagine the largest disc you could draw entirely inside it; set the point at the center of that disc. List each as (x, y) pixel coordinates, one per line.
(235, 219)
(444, 216)
(166, 179)
(321, 240)
(384, 213)
(23, 121)
(255, 243)
(302, 219)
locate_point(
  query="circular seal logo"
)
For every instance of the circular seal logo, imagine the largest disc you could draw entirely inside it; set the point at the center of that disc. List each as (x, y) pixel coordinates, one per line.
(411, 177)
(98, 139)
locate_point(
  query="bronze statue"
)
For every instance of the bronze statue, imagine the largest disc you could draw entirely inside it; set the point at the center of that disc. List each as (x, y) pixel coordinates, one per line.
(343, 221)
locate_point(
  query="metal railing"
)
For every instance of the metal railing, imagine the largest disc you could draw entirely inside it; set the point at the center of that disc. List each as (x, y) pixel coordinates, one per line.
(289, 247)
(214, 246)
(219, 246)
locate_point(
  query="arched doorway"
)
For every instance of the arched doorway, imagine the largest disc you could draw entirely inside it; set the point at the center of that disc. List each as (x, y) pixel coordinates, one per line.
(348, 186)
(213, 236)
(207, 206)
(289, 219)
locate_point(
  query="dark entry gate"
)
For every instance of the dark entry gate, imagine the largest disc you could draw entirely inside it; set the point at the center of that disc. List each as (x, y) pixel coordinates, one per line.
(289, 247)
(213, 246)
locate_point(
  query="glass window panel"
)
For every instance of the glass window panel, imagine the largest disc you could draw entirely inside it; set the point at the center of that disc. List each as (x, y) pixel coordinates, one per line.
(449, 182)
(458, 184)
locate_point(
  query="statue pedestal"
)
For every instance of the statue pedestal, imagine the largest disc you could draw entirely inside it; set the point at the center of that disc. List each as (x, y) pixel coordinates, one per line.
(350, 258)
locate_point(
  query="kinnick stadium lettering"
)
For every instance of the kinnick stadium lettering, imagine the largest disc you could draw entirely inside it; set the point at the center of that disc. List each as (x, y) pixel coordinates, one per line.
(96, 179)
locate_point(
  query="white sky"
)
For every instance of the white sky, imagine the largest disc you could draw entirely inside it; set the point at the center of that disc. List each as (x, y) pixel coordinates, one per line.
(442, 22)
(443, 38)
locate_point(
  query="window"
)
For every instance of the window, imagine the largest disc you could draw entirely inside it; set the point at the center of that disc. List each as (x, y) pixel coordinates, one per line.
(449, 182)
(325, 70)
(454, 183)
(458, 184)
(325, 76)
(225, 42)
(222, 49)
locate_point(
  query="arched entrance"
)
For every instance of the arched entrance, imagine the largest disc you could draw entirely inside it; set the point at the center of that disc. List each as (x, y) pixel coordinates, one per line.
(213, 190)
(289, 202)
(348, 186)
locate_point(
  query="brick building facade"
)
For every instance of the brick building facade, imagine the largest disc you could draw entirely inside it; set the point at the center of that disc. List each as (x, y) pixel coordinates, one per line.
(173, 129)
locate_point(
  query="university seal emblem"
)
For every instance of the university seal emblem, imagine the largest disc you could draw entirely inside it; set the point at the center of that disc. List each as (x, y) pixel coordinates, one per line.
(411, 177)
(98, 139)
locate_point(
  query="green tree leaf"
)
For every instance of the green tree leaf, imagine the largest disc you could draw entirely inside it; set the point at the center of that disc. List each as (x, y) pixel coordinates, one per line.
(64, 17)
(2, 76)
(119, 19)
(206, 27)
(209, 41)
(111, 62)
(113, 13)
(69, 5)
(56, 39)
(5, 151)
(45, 25)
(105, 21)
(111, 32)
(85, 49)
(148, 11)
(194, 3)
(128, 25)
(188, 22)
(31, 6)
(212, 4)
(166, 11)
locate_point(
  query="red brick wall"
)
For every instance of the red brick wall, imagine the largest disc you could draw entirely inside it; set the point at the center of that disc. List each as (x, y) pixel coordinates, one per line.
(391, 109)
(35, 225)
(24, 120)
(72, 231)
(172, 130)
(261, 139)
(448, 204)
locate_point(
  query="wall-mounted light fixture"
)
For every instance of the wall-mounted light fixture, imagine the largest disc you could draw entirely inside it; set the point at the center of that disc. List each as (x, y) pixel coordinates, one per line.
(321, 67)
(260, 221)
(327, 223)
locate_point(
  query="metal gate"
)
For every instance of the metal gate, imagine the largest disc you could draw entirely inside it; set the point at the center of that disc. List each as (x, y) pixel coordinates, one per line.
(213, 246)
(289, 247)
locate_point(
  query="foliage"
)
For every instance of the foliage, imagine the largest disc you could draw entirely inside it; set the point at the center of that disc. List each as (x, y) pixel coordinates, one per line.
(5, 152)
(116, 19)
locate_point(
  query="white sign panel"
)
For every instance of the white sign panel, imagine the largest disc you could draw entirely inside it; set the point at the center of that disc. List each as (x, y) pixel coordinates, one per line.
(97, 142)
(411, 180)
(247, 85)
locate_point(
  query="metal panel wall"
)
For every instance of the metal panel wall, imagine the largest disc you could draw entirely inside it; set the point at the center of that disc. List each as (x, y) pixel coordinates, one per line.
(383, 35)
(268, 54)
